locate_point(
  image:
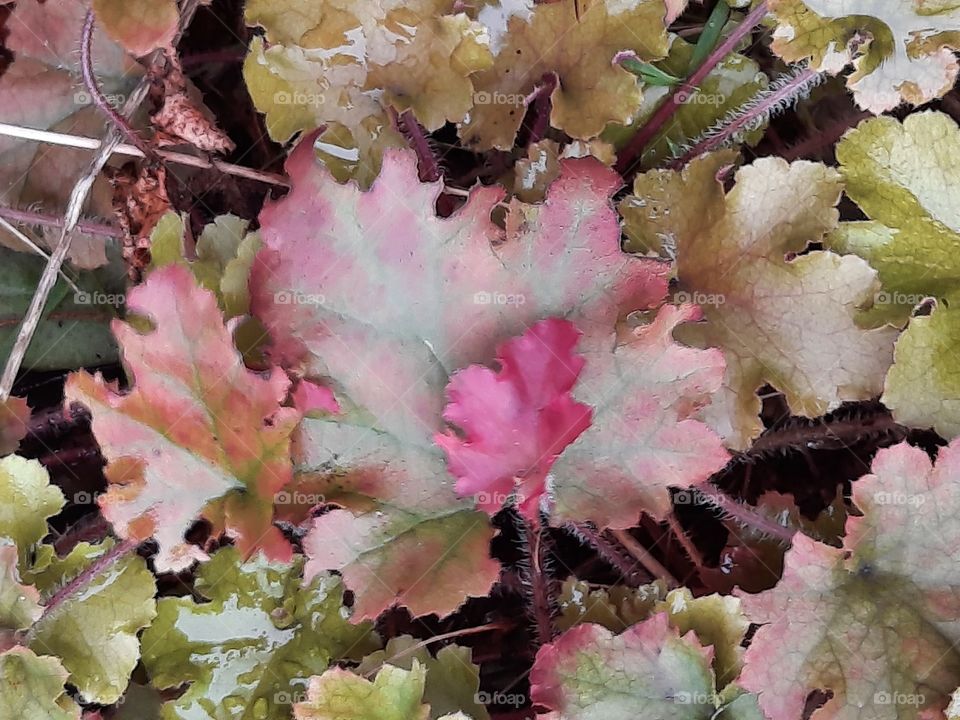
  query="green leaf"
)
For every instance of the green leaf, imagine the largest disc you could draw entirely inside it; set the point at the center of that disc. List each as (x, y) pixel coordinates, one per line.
(711, 34)
(649, 73)
(27, 499)
(74, 330)
(906, 179)
(94, 632)
(338, 694)
(248, 652)
(452, 683)
(616, 608)
(31, 688)
(19, 604)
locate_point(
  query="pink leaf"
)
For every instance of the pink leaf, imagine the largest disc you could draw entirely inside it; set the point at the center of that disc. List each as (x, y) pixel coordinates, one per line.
(198, 435)
(516, 421)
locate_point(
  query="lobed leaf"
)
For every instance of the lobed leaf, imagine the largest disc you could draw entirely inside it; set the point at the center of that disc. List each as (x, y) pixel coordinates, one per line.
(198, 427)
(903, 177)
(900, 49)
(374, 295)
(31, 686)
(591, 90)
(782, 316)
(248, 651)
(873, 623)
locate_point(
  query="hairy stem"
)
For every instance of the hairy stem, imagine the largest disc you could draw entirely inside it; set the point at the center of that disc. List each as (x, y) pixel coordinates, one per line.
(30, 217)
(764, 105)
(645, 557)
(633, 152)
(177, 158)
(743, 514)
(413, 130)
(81, 581)
(612, 555)
(541, 607)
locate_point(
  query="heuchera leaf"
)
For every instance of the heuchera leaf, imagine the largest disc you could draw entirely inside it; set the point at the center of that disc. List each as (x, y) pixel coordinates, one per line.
(93, 633)
(452, 682)
(19, 603)
(647, 671)
(41, 90)
(516, 421)
(783, 320)
(646, 395)
(31, 686)
(329, 65)
(197, 427)
(27, 499)
(900, 49)
(139, 25)
(395, 694)
(14, 416)
(615, 608)
(374, 295)
(403, 537)
(249, 650)
(904, 178)
(591, 90)
(873, 623)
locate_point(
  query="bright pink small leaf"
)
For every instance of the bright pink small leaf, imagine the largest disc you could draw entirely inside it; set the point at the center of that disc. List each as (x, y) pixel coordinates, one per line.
(310, 397)
(516, 421)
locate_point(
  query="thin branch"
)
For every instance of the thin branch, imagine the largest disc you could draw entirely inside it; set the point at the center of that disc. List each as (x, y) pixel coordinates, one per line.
(17, 233)
(30, 217)
(75, 204)
(453, 634)
(645, 558)
(178, 158)
(632, 153)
